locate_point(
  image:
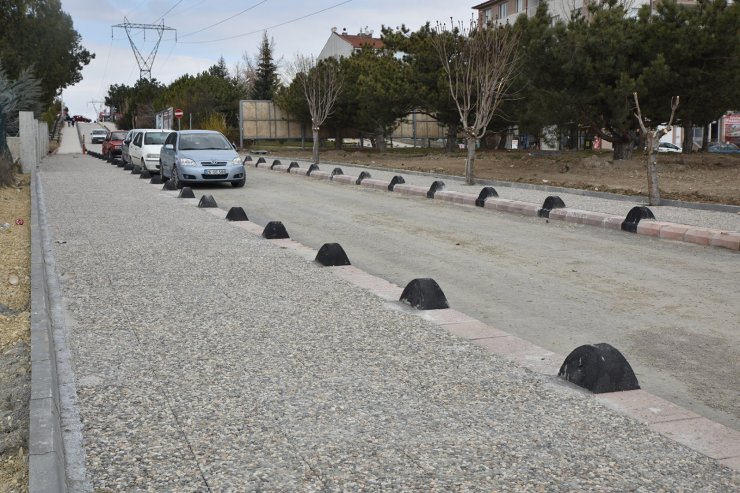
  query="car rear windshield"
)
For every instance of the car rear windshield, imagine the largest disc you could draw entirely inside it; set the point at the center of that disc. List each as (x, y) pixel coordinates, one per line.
(189, 142)
(99, 131)
(117, 135)
(155, 137)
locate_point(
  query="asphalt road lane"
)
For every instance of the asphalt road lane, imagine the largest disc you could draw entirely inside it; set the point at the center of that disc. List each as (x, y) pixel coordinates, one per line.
(672, 308)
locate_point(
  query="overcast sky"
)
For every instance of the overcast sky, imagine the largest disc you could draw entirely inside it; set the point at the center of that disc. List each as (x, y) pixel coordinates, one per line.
(209, 29)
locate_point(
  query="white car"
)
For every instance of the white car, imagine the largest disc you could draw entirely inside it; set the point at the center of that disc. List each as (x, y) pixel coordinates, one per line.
(144, 148)
(668, 147)
(98, 135)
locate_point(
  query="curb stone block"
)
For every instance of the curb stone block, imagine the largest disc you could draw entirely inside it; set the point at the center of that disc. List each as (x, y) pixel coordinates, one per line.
(613, 222)
(700, 236)
(726, 239)
(456, 197)
(494, 203)
(374, 183)
(263, 165)
(346, 179)
(673, 232)
(411, 190)
(651, 227)
(295, 170)
(321, 175)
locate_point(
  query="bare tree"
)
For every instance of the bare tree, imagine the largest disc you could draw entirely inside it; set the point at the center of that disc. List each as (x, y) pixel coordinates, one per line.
(652, 139)
(322, 84)
(480, 65)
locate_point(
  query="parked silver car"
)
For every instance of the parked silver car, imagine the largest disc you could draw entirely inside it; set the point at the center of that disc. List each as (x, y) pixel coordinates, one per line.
(200, 156)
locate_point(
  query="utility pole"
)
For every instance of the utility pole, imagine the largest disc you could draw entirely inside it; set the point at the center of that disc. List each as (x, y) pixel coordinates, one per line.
(97, 106)
(145, 64)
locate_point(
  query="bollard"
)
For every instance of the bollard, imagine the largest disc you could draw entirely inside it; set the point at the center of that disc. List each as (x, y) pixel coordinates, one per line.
(207, 201)
(599, 368)
(634, 216)
(396, 180)
(332, 255)
(186, 193)
(276, 162)
(312, 168)
(424, 294)
(156, 179)
(363, 175)
(484, 194)
(169, 185)
(145, 174)
(292, 165)
(336, 171)
(551, 202)
(436, 187)
(275, 231)
(236, 214)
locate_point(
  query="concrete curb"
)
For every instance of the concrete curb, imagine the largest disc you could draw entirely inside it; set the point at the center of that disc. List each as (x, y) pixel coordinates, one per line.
(683, 426)
(671, 231)
(56, 453)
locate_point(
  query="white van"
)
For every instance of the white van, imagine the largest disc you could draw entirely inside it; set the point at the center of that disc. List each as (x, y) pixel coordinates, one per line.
(144, 148)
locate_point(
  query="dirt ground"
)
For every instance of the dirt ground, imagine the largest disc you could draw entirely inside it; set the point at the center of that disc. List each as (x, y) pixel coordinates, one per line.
(698, 177)
(15, 336)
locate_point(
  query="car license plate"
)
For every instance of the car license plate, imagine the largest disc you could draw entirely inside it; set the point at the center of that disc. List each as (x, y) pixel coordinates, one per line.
(215, 172)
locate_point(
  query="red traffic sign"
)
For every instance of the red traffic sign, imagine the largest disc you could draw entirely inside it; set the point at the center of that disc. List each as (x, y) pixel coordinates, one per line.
(178, 113)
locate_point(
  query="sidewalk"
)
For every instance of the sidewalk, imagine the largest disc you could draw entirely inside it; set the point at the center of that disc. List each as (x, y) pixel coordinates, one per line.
(208, 358)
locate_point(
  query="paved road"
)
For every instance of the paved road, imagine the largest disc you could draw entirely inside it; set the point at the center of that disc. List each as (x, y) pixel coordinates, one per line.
(207, 358)
(670, 307)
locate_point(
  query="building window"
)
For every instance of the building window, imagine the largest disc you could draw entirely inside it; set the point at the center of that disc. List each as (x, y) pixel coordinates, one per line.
(488, 16)
(519, 5)
(502, 10)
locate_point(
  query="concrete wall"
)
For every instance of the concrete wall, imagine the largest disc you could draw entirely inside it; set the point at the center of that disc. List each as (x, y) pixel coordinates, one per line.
(264, 120)
(34, 141)
(14, 144)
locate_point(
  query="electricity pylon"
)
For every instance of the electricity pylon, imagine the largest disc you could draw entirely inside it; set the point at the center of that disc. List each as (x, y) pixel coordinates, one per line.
(145, 64)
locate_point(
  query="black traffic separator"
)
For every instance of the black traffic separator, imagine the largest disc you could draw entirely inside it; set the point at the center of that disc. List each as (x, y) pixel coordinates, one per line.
(275, 230)
(156, 179)
(396, 180)
(362, 176)
(128, 167)
(169, 185)
(236, 214)
(136, 170)
(247, 158)
(276, 162)
(550, 203)
(484, 194)
(145, 174)
(260, 160)
(312, 168)
(292, 165)
(336, 171)
(436, 187)
(332, 255)
(424, 294)
(634, 216)
(599, 368)
(186, 193)
(207, 201)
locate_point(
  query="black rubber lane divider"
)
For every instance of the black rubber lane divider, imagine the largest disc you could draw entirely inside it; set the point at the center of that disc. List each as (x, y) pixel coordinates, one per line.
(292, 165)
(396, 180)
(156, 179)
(247, 158)
(275, 163)
(186, 193)
(128, 167)
(484, 194)
(424, 294)
(136, 170)
(332, 255)
(634, 216)
(550, 203)
(275, 231)
(336, 171)
(260, 160)
(362, 176)
(169, 185)
(120, 164)
(436, 187)
(145, 174)
(599, 368)
(312, 168)
(207, 201)
(236, 214)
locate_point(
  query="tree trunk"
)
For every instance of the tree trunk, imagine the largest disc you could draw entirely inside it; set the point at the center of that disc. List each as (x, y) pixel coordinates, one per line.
(451, 146)
(652, 170)
(622, 150)
(705, 138)
(315, 145)
(380, 140)
(470, 162)
(688, 137)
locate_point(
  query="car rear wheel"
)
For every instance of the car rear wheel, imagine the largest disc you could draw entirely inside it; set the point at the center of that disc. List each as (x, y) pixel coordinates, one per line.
(238, 183)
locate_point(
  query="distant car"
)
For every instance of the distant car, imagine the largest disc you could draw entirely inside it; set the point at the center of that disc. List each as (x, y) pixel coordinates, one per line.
(724, 148)
(80, 118)
(200, 156)
(98, 135)
(112, 145)
(144, 148)
(668, 147)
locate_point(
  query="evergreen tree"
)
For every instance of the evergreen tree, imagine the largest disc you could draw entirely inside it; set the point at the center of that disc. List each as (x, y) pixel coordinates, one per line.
(267, 80)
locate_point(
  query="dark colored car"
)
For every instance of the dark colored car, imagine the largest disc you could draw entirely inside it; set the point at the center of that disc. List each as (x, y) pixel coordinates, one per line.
(724, 148)
(80, 118)
(112, 145)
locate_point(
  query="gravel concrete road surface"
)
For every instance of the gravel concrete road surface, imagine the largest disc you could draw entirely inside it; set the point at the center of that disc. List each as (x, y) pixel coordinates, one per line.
(670, 307)
(210, 359)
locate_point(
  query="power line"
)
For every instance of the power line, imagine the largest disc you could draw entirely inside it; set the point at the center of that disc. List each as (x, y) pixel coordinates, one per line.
(170, 10)
(270, 27)
(227, 19)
